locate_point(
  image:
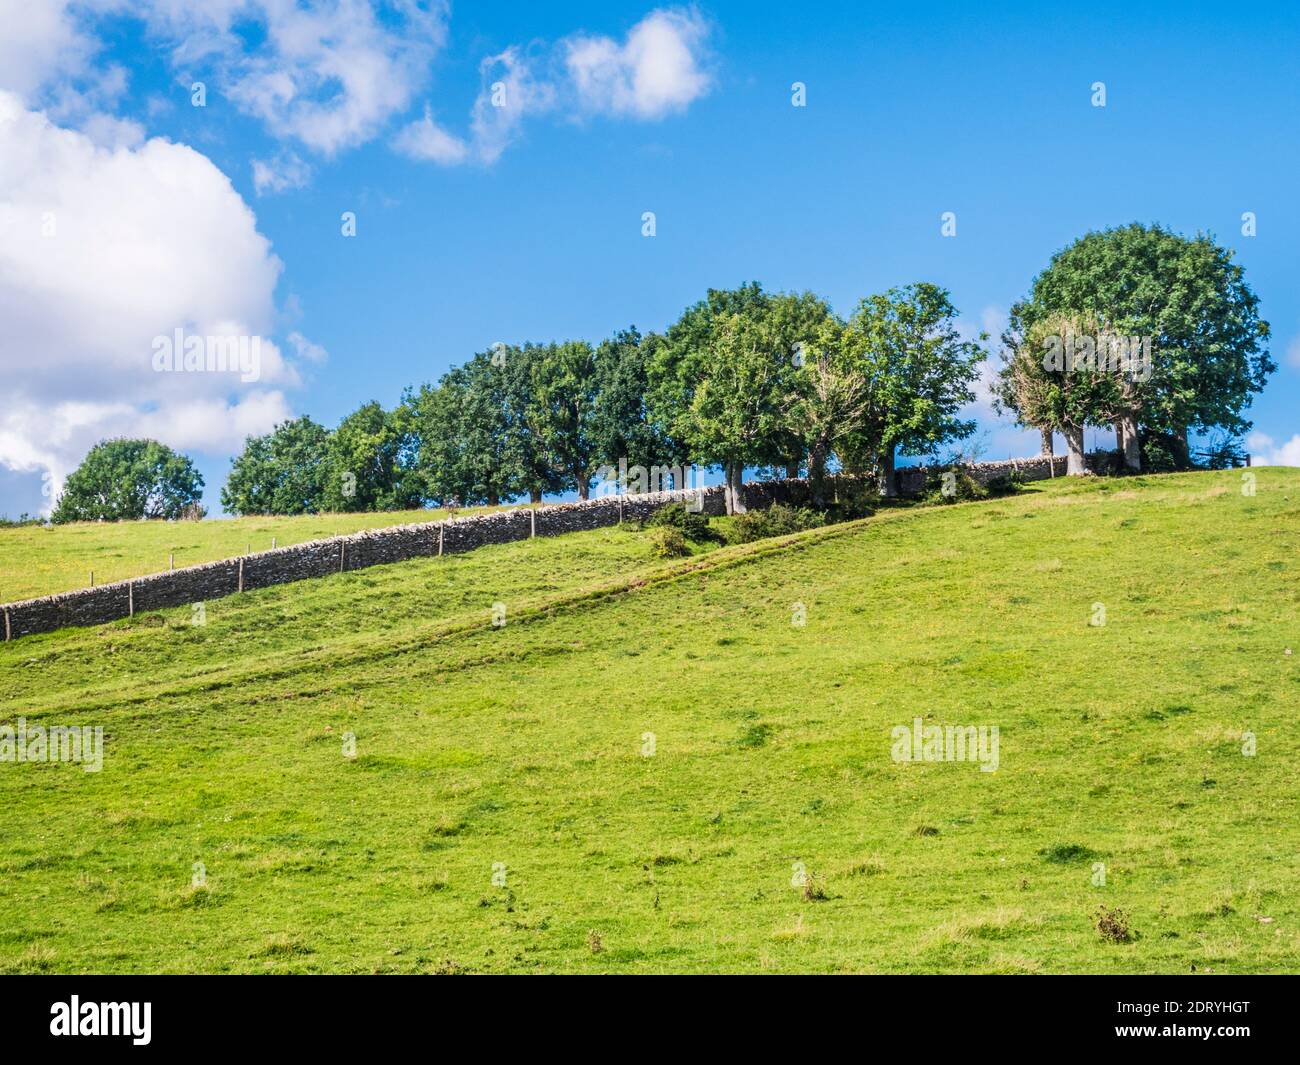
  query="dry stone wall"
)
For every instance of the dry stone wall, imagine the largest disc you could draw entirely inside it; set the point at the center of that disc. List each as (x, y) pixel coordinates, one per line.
(377, 547)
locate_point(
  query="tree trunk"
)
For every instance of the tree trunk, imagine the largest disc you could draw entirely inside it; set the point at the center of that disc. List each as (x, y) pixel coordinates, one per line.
(792, 468)
(493, 500)
(1184, 450)
(584, 485)
(1128, 437)
(735, 494)
(1075, 465)
(888, 481)
(817, 473)
(1045, 432)
(534, 495)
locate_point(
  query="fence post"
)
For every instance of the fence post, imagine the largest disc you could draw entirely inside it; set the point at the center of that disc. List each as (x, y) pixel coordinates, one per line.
(532, 522)
(241, 574)
(440, 528)
(171, 561)
(342, 554)
(8, 637)
(130, 599)
(92, 578)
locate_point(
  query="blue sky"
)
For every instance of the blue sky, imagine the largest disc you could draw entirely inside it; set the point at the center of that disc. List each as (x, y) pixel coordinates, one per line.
(533, 232)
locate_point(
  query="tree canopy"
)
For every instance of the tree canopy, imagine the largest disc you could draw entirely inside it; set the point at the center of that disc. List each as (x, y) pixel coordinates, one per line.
(122, 480)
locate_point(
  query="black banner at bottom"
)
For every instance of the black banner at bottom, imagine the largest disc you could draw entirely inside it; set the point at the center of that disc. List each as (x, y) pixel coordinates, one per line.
(214, 1014)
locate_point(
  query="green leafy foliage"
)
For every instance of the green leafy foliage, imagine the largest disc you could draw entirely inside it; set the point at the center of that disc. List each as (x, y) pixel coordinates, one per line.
(122, 480)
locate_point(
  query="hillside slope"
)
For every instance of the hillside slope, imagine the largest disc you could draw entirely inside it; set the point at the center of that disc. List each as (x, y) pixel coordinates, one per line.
(632, 773)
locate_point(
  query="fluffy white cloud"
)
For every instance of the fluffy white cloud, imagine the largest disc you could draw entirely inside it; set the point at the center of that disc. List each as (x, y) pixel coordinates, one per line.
(1265, 451)
(102, 250)
(40, 41)
(658, 69)
(328, 73)
(425, 139)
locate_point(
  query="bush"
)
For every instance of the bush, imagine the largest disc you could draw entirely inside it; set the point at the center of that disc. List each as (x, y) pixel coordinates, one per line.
(668, 542)
(961, 488)
(853, 498)
(1006, 485)
(675, 516)
(776, 520)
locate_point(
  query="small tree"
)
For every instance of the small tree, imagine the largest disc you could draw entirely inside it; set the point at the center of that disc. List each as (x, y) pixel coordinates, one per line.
(1041, 383)
(121, 480)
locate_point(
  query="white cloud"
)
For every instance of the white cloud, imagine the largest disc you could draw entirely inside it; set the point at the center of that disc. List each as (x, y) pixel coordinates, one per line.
(41, 41)
(1293, 353)
(305, 349)
(658, 69)
(327, 73)
(1265, 451)
(285, 171)
(425, 139)
(101, 251)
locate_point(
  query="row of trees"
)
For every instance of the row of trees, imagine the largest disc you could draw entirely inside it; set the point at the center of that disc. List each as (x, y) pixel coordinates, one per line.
(747, 378)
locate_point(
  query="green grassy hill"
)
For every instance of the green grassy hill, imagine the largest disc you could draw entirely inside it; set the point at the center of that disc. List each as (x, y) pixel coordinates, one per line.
(521, 754)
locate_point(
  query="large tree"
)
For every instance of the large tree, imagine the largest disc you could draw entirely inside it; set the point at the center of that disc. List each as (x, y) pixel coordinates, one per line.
(919, 372)
(1208, 343)
(122, 480)
(621, 428)
(551, 401)
(282, 472)
(721, 379)
(468, 450)
(367, 464)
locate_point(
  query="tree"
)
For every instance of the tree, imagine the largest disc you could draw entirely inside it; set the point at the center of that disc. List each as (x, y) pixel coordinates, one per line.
(722, 376)
(467, 451)
(1208, 343)
(122, 480)
(918, 371)
(551, 400)
(283, 472)
(1043, 383)
(831, 398)
(367, 462)
(620, 426)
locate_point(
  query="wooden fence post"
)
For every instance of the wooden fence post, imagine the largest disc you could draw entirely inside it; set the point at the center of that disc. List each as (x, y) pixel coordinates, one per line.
(532, 522)
(241, 574)
(8, 636)
(440, 528)
(342, 554)
(130, 599)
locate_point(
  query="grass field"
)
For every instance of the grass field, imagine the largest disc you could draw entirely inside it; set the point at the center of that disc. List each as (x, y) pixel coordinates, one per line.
(631, 773)
(42, 560)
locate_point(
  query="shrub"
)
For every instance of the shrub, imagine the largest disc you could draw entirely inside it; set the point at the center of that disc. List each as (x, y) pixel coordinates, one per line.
(853, 498)
(668, 542)
(776, 520)
(962, 488)
(675, 516)
(1006, 485)
(1113, 926)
